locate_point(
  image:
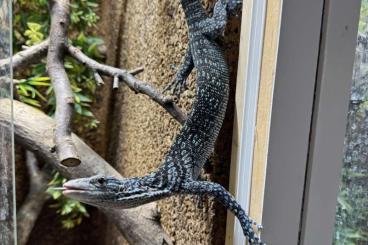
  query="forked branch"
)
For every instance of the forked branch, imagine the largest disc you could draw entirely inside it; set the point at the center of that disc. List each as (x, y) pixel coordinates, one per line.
(35, 53)
(67, 153)
(133, 83)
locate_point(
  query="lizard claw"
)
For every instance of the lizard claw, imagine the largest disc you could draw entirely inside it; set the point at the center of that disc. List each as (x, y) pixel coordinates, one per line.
(176, 86)
(233, 6)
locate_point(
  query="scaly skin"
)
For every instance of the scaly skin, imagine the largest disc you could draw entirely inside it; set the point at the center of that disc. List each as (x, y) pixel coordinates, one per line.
(179, 171)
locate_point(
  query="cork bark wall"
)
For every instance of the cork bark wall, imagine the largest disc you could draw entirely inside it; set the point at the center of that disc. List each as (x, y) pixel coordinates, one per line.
(153, 34)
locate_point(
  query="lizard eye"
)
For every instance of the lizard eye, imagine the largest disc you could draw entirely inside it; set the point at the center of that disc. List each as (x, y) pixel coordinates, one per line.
(101, 181)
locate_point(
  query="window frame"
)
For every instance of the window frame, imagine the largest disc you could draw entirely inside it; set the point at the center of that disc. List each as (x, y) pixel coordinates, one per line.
(248, 79)
(307, 122)
(334, 81)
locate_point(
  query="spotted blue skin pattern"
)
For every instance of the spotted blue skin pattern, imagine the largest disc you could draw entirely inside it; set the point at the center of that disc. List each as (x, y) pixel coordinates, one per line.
(180, 169)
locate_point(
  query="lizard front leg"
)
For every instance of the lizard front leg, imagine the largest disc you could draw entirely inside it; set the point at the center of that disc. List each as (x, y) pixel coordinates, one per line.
(179, 83)
(215, 26)
(226, 199)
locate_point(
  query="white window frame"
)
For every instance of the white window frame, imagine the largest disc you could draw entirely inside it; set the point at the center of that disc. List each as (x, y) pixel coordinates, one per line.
(306, 145)
(308, 120)
(334, 83)
(312, 88)
(291, 117)
(249, 69)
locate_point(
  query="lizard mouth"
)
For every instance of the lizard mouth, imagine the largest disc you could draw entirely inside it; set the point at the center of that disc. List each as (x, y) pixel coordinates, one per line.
(69, 189)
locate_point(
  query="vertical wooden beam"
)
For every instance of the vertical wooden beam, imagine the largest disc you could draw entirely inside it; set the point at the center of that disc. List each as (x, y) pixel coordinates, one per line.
(239, 108)
(249, 70)
(269, 58)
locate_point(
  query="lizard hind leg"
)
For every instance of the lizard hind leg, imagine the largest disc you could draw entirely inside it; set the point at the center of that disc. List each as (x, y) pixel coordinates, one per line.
(225, 198)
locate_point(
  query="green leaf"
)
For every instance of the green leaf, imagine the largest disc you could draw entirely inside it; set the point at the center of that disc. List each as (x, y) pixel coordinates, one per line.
(34, 26)
(78, 108)
(76, 98)
(39, 95)
(30, 101)
(93, 5)
(87, 113)
(40, 79)
(68, 224)
(22, 89)
(35, 83)
(83, 98)
(68, 65)
(54, 193)
(82, 209)
(66, 209)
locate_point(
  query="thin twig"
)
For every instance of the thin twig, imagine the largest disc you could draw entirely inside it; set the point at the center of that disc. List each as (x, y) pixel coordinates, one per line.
(134, 83)
(137, 70)
(27, 57)
(67, 153)
(115, 83)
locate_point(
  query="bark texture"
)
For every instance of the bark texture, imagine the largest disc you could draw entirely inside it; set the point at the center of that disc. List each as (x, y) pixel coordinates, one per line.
(37, 137)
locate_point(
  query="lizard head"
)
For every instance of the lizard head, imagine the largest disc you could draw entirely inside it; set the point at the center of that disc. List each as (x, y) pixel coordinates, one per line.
(110, 192)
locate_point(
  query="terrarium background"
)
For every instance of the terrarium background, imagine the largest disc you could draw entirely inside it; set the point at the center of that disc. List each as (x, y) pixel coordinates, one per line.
(134, 133)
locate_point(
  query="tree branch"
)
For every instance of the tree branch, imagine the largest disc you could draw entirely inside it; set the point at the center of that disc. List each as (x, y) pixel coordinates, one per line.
(35, 200)
(36, 52)
(67, 153)
(135, 84)
(30, 133)
(27, 57)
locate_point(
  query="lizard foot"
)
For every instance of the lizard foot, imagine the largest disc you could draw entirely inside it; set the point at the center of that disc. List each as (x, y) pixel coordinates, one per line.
(233, 6)
(176, 86)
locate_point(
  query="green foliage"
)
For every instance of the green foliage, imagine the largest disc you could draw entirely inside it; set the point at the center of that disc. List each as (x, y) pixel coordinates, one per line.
(31, 26)
(28, 90)
(33, 33)
(352, 214)
(363, 16)
(71, 211)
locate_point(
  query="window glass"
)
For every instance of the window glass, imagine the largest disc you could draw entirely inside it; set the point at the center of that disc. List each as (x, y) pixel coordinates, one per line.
(351, 225)
(7, 224)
